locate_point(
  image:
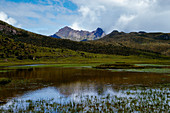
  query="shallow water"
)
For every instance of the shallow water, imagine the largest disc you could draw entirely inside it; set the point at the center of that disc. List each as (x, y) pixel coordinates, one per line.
(71, 83)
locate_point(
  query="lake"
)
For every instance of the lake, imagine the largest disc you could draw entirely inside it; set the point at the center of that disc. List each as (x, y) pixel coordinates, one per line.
(82, 89)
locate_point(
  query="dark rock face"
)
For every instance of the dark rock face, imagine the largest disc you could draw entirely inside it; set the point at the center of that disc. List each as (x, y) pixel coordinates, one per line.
(7, 30)
(76, 35)
(84, 40)
(64, 32)
(98, 33)
(55, 36)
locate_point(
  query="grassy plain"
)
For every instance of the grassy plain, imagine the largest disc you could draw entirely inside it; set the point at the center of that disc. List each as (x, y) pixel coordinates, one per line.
(79, 60)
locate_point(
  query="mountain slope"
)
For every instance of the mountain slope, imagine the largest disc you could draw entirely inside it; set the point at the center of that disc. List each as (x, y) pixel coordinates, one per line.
(156, 42)
(22, 36)
(18, 51)
(75, 35)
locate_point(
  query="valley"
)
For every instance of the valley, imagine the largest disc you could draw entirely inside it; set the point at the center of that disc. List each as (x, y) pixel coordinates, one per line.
(20, 46)
(119, 72)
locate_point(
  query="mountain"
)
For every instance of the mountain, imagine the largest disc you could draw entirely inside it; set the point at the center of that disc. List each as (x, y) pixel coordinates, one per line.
(76, 35)
(55, 36)
(156, 42)
(25, 40)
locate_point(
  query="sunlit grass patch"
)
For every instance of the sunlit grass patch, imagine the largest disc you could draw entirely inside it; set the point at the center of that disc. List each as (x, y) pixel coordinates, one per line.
(159, 65)
(163, 70)
(126, 67)
(3, 71)
(152, 70)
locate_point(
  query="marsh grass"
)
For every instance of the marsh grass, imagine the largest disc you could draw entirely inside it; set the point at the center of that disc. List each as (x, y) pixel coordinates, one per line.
(119, 67)
(4, 81)
(145, 100)
(93, 59)
(10, 68)
(130, 66)
(153, 70)
(3, 71)
(159, 65)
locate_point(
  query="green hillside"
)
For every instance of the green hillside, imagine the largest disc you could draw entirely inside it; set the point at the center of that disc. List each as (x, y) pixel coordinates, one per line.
(44, 41)
(18, 45)
(155, 42)
(9, 49)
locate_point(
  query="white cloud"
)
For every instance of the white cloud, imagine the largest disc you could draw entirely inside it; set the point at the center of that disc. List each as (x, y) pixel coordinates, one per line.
(124, 15)
(4, 17)
(123, 21)
(46, 17)
(75, 26)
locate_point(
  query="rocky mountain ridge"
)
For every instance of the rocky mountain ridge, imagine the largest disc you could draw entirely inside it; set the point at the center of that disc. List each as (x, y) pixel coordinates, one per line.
(152, 45)
(76, 35)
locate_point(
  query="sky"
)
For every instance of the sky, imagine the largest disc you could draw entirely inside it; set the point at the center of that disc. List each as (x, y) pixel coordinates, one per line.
(48, 16)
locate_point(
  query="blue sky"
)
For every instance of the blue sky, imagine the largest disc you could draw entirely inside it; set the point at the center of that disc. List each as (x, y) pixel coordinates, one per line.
(66, 3)
(25, 1)
(48, 16)
(40, 16)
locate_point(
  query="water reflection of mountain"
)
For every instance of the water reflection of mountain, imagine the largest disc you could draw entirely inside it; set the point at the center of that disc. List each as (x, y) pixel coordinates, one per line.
(60, 76)
(70, 80)
(81, 88)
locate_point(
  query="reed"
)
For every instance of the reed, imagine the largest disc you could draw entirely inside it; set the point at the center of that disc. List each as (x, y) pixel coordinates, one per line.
(147, 100)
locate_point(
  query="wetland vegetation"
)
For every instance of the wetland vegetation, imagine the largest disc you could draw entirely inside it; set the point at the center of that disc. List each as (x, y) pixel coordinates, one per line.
(81, 88)
(143, 100)
(122, 72)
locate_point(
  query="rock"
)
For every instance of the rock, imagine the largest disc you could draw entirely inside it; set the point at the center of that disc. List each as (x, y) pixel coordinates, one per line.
(55, 36)
(76, 35)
